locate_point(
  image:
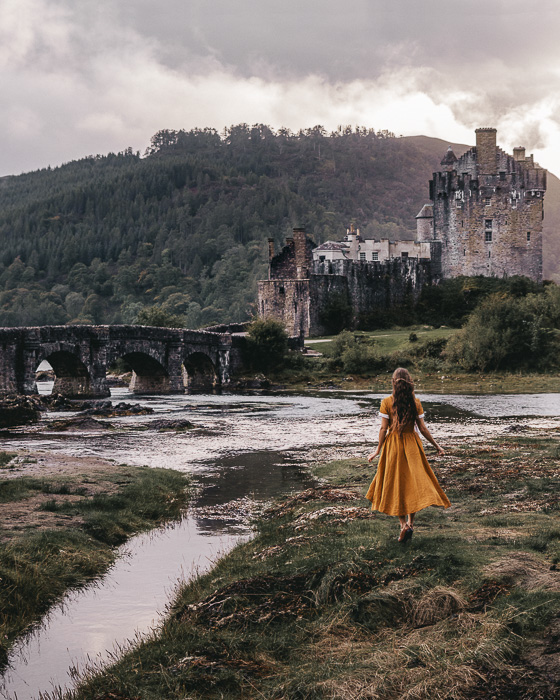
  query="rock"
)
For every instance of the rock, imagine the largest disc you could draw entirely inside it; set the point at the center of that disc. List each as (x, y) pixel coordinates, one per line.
(163, 424)
(19, 410)
(78, 424)
(107, 410)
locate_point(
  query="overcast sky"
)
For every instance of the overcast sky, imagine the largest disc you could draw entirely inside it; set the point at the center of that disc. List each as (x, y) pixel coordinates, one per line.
(80, 77)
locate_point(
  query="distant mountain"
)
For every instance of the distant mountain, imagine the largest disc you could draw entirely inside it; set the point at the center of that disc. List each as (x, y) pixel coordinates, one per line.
(185, 226)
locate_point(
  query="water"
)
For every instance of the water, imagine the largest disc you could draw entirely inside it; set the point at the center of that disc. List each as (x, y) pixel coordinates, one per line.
(240, 446)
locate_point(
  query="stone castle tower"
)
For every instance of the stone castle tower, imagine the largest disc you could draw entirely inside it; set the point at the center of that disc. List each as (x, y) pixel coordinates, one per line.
(487, 212)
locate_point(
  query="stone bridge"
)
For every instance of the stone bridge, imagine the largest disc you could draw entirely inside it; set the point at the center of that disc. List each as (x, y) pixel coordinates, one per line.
(163, 360)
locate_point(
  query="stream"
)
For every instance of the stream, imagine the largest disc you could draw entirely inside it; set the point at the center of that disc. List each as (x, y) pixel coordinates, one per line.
(242, 447)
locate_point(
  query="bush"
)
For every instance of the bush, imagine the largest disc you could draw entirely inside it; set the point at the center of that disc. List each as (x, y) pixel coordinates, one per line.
(267, 344)
(506, 332)
(355, 353)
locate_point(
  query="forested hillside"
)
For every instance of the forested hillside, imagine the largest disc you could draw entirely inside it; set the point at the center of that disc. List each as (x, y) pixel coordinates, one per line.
(185, 226)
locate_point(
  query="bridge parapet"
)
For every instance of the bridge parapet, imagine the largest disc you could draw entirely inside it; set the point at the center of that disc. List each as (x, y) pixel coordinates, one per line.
(163, 360)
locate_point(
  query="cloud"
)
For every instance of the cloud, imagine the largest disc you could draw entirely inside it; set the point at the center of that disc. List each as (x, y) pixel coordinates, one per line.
(90, 77)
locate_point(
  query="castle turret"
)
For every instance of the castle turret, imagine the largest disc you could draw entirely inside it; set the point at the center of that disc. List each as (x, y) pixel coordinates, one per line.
(486, 150)
(425, 223)
(449, 159)
(519, 154)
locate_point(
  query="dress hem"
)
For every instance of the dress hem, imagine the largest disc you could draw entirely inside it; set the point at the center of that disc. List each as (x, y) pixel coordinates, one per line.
(412, 509)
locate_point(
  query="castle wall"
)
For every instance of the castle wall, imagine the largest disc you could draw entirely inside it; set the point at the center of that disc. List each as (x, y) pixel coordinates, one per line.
(287, 301)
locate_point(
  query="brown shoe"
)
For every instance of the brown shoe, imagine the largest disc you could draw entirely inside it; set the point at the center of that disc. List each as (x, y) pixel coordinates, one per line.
(408, 534)
(404, 534)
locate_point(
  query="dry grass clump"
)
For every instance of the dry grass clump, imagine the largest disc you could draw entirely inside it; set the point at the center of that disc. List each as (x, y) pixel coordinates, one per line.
(435, 605)
(525, 570)
(441, 662)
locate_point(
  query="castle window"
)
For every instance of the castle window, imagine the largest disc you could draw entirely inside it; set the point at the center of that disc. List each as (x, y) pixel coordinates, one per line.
(487, 201)
(375, 255)
(488, 230)
(502, 175)
(321, 258)
(281, 290)
(362, 257)
(528, 236)
(404, 254)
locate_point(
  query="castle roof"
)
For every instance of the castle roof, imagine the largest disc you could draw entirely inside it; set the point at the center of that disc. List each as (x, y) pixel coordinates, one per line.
(449, 158)
(332, 245)
(427, 212)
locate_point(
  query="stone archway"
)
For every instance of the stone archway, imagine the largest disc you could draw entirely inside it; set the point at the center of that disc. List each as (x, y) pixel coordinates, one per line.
(148, 375)
(72, 378)
(200, 373)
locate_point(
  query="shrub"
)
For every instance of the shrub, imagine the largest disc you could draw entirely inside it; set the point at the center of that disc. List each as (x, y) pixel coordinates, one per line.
(505, 332)
(267, 344)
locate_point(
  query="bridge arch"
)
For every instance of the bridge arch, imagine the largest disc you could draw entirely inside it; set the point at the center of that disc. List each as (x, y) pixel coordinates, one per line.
(72, 376)
(200, 372)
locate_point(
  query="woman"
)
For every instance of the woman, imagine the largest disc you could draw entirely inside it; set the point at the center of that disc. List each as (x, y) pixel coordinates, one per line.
(404, 483)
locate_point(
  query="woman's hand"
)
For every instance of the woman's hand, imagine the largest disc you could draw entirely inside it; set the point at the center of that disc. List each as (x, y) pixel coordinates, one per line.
(440, 451)
(373, 455)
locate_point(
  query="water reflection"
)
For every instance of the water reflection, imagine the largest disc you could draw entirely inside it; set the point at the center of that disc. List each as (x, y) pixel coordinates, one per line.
(127, 601)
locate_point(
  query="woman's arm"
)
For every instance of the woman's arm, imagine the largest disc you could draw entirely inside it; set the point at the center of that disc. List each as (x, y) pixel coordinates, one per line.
(382, 436)
(426, 433)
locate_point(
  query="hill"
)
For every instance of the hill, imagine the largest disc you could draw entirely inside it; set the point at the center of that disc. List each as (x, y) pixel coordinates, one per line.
(185, 226)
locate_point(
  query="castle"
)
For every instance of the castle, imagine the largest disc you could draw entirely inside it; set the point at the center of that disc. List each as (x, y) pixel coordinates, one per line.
(484, 218)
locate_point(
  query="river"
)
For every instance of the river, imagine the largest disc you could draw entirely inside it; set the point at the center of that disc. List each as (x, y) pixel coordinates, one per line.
(242, 447)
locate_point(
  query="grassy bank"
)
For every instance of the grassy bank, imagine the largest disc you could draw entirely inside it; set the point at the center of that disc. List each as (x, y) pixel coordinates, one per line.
(324, 603)
(60, 532)
(370, 363)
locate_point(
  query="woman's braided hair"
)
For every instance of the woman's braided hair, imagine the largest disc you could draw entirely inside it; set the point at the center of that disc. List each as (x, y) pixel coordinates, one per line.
(404, 401)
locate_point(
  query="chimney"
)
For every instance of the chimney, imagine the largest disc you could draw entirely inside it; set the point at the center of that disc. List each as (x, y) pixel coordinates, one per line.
(486, 150)
(519, 153)
(270, 248)
(302, 261)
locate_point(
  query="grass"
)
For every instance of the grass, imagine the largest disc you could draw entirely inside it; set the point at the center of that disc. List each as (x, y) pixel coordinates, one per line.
(324, 603)
(393, 348)
(6, 458)
(37, 566)
(388, 340)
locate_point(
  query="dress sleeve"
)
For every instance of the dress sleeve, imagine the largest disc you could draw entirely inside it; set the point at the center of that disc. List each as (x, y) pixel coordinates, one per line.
(419, 409)
(384, 409)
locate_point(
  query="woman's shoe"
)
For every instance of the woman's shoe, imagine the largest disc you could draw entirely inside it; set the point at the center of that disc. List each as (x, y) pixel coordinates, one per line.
(404, 534)
(408, 534)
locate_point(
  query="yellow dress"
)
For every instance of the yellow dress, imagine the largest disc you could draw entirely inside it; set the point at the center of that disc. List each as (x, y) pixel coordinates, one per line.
(404, 482)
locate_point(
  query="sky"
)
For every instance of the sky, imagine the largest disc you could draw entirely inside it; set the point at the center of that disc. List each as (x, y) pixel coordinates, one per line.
(83, 77)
